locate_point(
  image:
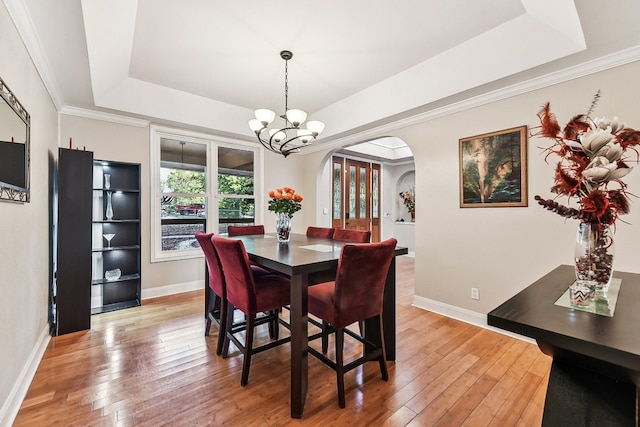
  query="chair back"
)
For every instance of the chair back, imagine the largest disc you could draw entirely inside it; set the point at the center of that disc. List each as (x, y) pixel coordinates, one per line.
(325, 232)
(241, 291)
(216, 279)
(359, 287)
(245, 230)
(352, 236)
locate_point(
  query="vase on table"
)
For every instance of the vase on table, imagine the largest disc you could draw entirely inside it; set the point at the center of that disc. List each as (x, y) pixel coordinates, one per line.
(594, 255)
(109, 211)
(413, 216)
(283, 227)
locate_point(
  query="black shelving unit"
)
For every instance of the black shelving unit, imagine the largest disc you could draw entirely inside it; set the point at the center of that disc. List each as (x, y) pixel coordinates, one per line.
(71, 242)
(123, 252)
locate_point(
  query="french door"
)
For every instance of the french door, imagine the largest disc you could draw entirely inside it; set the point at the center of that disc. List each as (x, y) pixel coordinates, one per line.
(356, 196)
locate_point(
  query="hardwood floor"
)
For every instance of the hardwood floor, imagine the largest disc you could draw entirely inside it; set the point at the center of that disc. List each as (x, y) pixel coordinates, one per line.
(152, 365)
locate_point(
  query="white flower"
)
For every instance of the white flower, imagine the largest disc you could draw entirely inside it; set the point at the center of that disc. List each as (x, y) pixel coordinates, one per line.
(594, 139)
(613, 152)
(601, 170)
(603, 123)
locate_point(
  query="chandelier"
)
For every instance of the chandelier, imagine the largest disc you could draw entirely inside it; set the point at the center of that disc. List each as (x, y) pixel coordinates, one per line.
(289, 138)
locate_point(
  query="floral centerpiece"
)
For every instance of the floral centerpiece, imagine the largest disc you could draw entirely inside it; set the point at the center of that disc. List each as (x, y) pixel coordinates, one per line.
(593, 161)
(409, 200)
(284, 202)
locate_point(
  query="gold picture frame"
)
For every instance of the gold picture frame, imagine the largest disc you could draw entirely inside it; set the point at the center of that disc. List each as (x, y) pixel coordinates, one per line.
(493, 169)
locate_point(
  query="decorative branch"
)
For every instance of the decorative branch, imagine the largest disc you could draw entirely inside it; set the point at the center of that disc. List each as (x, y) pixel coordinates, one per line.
(561, 210)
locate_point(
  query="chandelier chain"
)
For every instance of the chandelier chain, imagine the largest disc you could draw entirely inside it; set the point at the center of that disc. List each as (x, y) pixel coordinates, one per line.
(286, 85)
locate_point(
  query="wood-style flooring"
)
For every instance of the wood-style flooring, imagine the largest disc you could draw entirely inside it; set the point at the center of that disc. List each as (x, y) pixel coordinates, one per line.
(153, 366)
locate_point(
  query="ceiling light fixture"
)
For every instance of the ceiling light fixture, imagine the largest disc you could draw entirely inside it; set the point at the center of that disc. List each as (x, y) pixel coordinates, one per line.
(290, 138)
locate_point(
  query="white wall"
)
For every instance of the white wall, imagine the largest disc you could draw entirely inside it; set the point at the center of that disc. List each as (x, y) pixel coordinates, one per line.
(24, 232)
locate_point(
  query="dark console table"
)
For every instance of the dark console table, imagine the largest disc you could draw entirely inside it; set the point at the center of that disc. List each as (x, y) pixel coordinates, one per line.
(596, 359)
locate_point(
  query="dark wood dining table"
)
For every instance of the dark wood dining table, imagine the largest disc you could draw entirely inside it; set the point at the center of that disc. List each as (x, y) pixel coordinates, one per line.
(298, 258)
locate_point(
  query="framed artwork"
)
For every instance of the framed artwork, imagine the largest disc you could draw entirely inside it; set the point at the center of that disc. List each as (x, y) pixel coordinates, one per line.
(493, 169)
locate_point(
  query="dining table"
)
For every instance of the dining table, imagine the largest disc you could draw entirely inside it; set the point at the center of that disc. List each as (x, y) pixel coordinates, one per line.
(297, 259)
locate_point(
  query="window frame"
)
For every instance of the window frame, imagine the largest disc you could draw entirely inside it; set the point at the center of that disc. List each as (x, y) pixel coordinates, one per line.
(211, 178)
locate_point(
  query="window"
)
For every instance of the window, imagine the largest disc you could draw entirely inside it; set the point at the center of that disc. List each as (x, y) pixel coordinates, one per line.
(236, 183)
(190, 196)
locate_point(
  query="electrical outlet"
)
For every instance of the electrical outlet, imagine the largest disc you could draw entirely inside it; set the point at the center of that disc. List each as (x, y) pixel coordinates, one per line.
(475, 293)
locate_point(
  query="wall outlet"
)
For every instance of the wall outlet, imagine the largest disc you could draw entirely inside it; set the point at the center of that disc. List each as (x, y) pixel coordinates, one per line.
(475, 293)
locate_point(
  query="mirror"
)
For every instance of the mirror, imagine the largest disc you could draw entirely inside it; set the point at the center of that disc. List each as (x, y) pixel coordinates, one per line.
(14, 147)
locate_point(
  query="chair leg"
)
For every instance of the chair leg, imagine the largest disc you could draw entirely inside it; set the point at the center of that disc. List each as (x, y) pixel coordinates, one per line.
(228, 326)
(248, 349)
(210, 312)
(325, 337)
(274, 329)
(222, 332)
(339, 337)
(383, 354)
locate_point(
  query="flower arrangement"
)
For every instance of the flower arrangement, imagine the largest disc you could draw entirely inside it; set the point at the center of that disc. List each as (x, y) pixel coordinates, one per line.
(285, 200)
(593, 156)
(409, 199)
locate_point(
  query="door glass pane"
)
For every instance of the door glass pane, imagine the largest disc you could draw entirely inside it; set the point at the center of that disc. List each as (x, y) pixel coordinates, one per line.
(183, 193)
(352, 192)
(236, 181)
(337, 191)
(363, 193)
(374, 194)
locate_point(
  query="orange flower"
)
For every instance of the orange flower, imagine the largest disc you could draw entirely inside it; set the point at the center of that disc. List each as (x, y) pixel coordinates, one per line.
(285, 200)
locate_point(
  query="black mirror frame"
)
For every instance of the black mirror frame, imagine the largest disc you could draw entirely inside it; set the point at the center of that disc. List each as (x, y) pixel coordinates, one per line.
(7, 191)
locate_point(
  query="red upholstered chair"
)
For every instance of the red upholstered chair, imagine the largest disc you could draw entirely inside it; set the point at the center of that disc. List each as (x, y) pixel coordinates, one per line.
(325, 232)
(352, 236)
(217, 288)
(217, 292)
(252, 294)
(245, 230)
(356, 294)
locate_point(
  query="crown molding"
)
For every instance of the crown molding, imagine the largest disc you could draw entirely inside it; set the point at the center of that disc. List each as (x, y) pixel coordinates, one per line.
(106, 117)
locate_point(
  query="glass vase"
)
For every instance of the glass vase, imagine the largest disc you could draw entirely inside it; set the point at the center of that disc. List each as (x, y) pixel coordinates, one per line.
(594, 254)
(283, 227)
(109, 211)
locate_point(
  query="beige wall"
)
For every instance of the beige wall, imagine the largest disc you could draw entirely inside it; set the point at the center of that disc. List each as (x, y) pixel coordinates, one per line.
(24, 229)
(499, 250)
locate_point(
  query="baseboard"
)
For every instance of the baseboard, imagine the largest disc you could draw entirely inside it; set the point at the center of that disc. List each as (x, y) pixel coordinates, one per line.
(463, 315)
(177, 288)
(11, 406)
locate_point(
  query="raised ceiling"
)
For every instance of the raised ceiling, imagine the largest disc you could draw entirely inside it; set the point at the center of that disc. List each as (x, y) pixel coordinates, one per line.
(206, 65)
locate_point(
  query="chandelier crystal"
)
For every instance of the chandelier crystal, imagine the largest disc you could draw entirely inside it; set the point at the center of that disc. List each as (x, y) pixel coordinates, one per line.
(290, 138)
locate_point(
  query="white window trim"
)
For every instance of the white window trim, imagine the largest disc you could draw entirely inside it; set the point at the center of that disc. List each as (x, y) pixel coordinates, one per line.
(156, 133)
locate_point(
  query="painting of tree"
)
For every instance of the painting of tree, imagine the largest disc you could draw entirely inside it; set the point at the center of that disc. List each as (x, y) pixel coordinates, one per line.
(493, 169)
